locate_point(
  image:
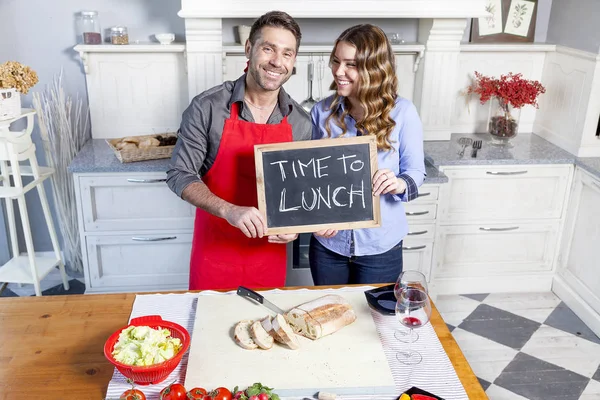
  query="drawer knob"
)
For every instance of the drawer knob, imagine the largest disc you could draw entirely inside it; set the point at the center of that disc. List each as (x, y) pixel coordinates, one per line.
(417, 212)
(416, 233)
(424, 194)
(152, 239)
(134, 180)
(414, 247)
(510, 228)
(506, 172)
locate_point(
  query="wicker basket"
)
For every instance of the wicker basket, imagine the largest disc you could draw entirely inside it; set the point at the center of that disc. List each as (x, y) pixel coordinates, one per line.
(149, 153)
(10, 103)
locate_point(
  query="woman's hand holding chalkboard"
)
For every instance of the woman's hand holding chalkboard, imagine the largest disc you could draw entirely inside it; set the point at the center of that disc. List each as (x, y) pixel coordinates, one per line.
(385, 181)
(283, 238)
(247, 219)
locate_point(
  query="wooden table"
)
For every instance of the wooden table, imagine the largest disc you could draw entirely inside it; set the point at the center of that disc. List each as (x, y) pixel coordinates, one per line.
(51, 347)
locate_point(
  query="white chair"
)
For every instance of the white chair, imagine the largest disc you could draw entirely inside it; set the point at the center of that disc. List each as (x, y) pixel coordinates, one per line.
(16, 146)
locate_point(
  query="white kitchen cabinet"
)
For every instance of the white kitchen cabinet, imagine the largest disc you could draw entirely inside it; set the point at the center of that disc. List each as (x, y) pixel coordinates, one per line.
(417, 247)
(499, 227)
(143, 262)
(577, 281)
(136, 234)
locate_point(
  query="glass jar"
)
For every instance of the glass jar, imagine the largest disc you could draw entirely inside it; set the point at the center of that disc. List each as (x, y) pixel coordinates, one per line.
(503, 121)
(88, 28)
(118, 35)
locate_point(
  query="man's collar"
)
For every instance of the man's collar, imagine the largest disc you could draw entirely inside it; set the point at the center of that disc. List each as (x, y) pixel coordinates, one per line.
(239, 90)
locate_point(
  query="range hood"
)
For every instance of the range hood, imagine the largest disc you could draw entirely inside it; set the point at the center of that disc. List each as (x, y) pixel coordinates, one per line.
(442, 24)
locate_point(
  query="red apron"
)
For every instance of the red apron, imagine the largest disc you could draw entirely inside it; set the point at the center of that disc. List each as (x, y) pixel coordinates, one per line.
(222, 256)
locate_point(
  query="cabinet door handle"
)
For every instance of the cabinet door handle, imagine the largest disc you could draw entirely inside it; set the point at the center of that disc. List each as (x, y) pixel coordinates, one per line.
(510, 228)
(417, 233)
(506, 172)
(153, 239)
(414, 247)
(135, 180)
(417, 212)
(424, 194)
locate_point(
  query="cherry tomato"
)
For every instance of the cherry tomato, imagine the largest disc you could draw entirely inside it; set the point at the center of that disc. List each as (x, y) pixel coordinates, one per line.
(197, 394)
(132, 394)
(220, 393)
(175, 391)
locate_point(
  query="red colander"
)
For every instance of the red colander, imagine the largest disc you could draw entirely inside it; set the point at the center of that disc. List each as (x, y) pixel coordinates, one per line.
(156, 373)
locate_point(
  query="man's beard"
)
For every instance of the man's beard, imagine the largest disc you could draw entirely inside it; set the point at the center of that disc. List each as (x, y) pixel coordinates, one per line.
(258, 78)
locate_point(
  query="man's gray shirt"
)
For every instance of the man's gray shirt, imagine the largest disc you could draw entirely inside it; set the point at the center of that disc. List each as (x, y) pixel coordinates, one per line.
(202, 128)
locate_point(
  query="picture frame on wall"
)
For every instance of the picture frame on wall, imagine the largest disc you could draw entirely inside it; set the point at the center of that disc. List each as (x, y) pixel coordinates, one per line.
(509, 21)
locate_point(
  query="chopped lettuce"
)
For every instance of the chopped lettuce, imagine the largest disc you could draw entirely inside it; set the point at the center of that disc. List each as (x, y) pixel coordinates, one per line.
(143, 346)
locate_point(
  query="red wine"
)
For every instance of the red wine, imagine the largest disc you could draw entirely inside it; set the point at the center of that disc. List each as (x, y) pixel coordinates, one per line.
(411, 322)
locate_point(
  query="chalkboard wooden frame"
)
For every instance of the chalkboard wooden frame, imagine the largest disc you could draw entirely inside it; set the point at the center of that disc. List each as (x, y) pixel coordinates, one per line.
(374, 222)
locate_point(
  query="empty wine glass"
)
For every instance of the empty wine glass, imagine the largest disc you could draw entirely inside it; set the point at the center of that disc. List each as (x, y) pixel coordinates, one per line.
(408, 279)
(413, 310)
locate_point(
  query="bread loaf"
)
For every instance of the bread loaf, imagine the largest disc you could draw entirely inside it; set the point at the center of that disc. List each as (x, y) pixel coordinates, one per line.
(148, 142)
(260, 336)
(285, 332)
(321, 317)
(242, 335)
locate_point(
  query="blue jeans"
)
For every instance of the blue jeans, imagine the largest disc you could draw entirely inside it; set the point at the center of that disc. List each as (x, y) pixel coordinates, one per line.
(330, 268)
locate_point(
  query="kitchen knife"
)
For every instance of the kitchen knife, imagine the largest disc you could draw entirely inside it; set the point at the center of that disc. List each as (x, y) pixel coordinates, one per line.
(245, 292)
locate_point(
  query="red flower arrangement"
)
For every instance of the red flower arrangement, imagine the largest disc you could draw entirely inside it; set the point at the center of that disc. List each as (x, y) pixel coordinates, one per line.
(509, 89)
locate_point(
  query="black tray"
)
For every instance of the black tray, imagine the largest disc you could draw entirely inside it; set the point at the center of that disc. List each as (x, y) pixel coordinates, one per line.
(416, 390)
(382, 299)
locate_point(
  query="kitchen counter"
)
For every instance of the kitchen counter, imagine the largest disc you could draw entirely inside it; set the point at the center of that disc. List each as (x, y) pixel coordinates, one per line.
(52, 346)
(97, 157)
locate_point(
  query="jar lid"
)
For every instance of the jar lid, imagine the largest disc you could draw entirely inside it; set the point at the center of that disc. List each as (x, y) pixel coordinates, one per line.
(89, 13)
(118, 29)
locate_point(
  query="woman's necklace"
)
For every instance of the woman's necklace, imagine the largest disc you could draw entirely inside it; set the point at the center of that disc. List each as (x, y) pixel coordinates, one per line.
(258, 107)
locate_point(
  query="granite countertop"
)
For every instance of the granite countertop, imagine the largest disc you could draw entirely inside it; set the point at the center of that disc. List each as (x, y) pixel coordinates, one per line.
(97, 156)
(527, 148)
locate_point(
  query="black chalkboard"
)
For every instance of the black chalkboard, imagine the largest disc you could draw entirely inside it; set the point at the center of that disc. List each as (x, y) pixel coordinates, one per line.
(314, 185)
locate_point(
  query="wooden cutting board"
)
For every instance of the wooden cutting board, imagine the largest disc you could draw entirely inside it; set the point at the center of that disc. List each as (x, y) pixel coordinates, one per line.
(350, 361)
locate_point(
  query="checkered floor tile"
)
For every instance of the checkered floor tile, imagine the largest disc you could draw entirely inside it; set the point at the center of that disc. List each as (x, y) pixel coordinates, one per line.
(525, 346)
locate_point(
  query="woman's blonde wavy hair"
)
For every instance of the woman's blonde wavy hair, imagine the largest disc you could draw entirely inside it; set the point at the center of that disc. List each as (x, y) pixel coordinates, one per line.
(377, 85)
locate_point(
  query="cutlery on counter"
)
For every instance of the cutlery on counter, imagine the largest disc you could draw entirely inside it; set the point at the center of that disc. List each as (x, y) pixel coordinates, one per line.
(476, 146)
(464, 142)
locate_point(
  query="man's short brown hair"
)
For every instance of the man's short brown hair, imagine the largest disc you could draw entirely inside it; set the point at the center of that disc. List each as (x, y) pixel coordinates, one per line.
(276, 19)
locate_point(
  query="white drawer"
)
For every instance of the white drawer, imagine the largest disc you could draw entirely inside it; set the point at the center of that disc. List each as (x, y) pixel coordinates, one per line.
(490, 250)
(139, 262)
(416, 256)
(427, 194)
(421, 232)
(136, 202)
(498, 193)
(416, 212)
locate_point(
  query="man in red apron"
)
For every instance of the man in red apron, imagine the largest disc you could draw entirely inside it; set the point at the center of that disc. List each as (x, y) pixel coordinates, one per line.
(212, 166)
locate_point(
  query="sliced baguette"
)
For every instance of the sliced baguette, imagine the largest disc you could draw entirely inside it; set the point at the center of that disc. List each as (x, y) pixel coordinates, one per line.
(268, 326)
(242, 335)
(321, 317)
(285, 332)
(260, 336)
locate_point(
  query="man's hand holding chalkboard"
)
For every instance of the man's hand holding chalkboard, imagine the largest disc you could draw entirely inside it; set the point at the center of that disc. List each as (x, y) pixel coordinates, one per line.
(247, 219)
(385, 181)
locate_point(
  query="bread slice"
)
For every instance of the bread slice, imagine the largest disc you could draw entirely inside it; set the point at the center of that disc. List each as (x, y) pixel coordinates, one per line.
(268, 327)
(321, 317)
(285, 332)
(260, 336)
(242, 335)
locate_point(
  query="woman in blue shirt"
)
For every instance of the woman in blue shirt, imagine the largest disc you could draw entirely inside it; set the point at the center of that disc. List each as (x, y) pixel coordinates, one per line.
(366, 103)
